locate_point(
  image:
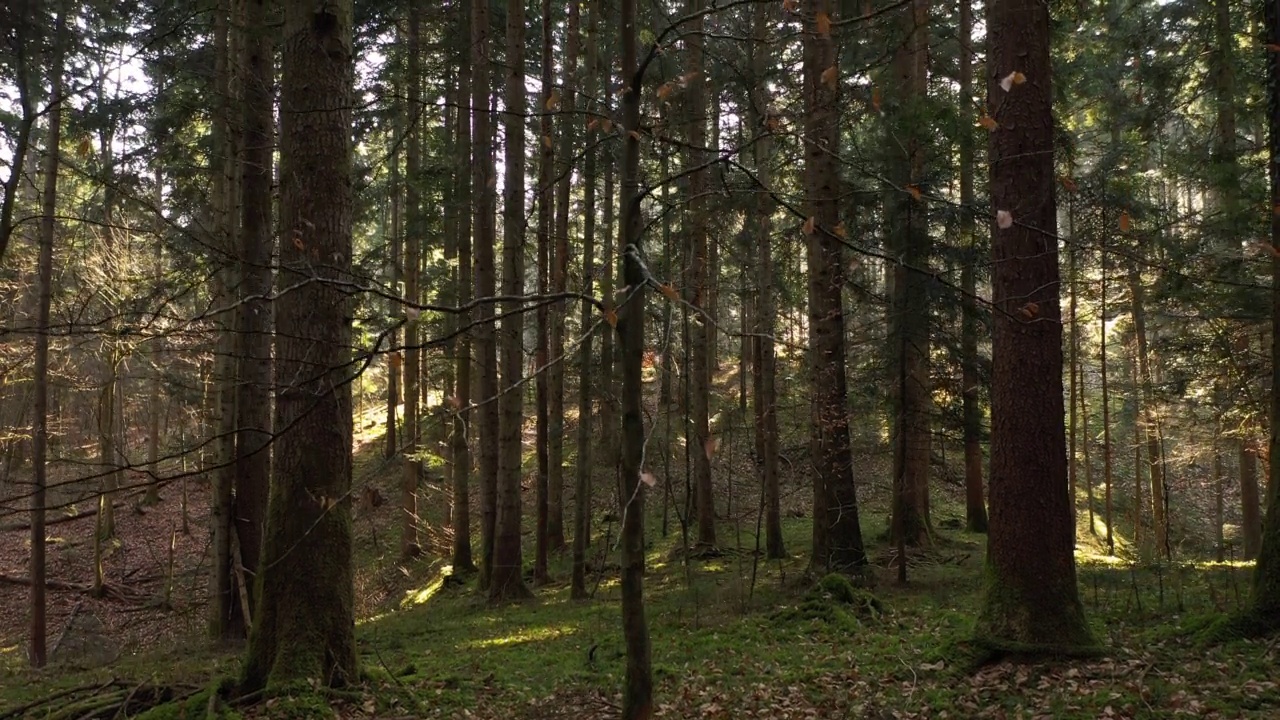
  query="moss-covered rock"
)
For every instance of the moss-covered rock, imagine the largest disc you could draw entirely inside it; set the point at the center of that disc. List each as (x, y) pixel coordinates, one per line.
(834, 600)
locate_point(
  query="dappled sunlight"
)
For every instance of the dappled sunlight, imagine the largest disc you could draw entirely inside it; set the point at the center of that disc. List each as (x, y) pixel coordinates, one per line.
(420, 595)
(520, 637)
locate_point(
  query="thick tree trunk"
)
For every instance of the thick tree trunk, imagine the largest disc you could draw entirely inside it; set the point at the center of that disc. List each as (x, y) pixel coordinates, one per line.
(1031, 604)
(507, 580)
(304, 627)
(837, 539)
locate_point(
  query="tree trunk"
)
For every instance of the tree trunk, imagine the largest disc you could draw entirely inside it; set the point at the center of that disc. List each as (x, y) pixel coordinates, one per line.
(461, 452)
(1148, 421)
(507, 581)
(414, 234)
(1106, 407)
(253, 406)
(1266, 579)
(545, 194)
(37, 651)
(910, 317)
(1250, 500)
(974, 500)
(764, 365)
(837, 540)
(699, 283)
(637, 694)
(226, 622)
(484, 182)
(1031, 604)
(304, 627)
(559, 283)
(582, 474)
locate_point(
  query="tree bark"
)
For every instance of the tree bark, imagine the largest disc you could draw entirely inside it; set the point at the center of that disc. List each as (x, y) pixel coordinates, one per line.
(37, 650)
(484, 182)
(507, 581)
(764, 358)
(253, 405)
(304, 626)
(974, 499)
(912, 392)
(1031, 604)
(837, 536)
(461, 468)
(637, 694)
(545, 195)
(414, 233)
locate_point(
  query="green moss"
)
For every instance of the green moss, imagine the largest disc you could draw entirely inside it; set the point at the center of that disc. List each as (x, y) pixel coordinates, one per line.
(1049, 625)
(835, 601)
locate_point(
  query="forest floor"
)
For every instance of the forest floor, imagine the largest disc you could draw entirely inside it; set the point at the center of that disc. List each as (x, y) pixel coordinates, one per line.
(733, 636)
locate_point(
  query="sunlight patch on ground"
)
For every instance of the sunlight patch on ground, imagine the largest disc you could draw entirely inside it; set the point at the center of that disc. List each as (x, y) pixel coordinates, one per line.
(1211, 564)
(418, 596)
(521, 636)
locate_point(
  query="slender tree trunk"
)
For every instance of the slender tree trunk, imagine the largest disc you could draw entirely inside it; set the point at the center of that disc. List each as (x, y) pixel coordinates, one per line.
(699, 283)
(546, 159)
(507, 581)
(974, 501)
(253, 406)
(837, 541)
(37, 652)
(582, 478)
(764, 365)
(461, 469)
(484, 182)
(559, 282)
(1250, 500)
(1148, 421)
(304, 627)
(412, 260)
(637, 694)
(1106, 409)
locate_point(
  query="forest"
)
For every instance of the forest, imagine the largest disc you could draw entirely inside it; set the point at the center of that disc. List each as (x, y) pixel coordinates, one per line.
(639, 358)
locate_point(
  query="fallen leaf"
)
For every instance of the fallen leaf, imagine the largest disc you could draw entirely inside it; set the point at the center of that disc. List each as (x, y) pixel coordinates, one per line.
(988, 122)
(669, 290)
(611, 317)
(831, 76)
(1013, 78)
(915, 192)
(822, 22)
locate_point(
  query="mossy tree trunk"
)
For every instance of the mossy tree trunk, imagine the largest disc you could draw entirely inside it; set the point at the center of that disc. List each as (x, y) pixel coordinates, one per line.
(1031, 602)
(304, 626)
